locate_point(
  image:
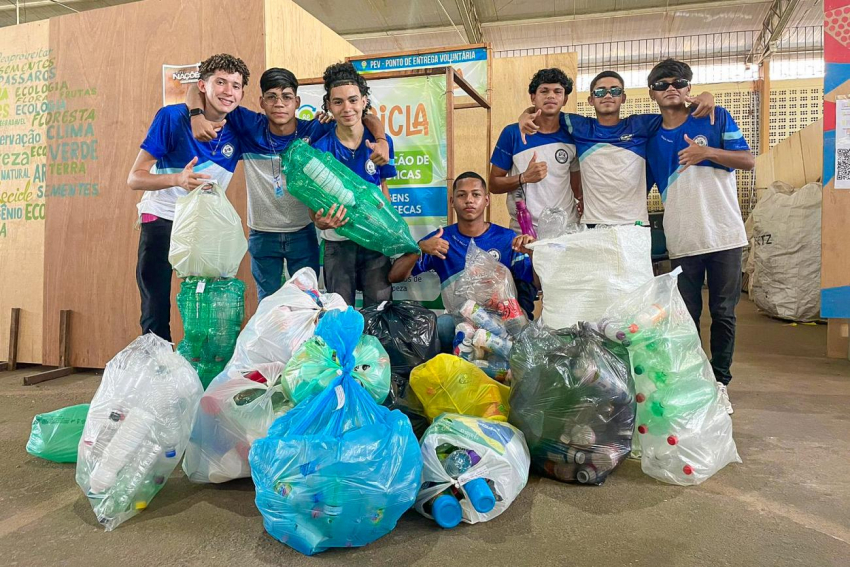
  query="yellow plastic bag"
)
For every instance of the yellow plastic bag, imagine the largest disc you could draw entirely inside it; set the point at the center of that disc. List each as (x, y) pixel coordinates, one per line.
(448, 384)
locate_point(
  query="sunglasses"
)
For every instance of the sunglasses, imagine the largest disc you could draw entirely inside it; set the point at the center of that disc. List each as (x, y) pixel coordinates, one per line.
(664, 85)
(601, 92)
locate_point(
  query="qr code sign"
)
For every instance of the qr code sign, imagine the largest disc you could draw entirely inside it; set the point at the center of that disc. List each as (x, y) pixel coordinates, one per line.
(842, 164)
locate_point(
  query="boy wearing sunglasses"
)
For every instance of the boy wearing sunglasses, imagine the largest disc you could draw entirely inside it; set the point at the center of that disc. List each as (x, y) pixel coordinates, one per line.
(612, 151)
(693, 162)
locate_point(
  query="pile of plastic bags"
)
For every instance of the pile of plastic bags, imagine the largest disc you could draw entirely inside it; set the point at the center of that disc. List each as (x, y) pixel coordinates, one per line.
(473, 469)
(408, 332)
(448, 384)
(212, 311)
(137, 428)
(320, 181)
(338, 470)
(583, 272)
(490, 317)
(685, 434)
(244, 400)
(55, 435)
(574, 400)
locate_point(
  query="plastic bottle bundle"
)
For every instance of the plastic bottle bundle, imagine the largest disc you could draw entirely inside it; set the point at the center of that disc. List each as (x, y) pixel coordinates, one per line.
(137, 428)
(237, 408)
(408, 332)
(484, 301)
(583, 271)
(473, 469)
(574, 400)
(316, 364)
(555, 222)
(318, 180)
(212, 311)
(247, 396)
(448, 384)
(338, 470)
(283, 321)
(207, 238)
(55, 435)
(684, 431)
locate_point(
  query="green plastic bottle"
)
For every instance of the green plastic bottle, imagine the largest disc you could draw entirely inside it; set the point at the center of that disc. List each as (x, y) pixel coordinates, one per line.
(319, 181)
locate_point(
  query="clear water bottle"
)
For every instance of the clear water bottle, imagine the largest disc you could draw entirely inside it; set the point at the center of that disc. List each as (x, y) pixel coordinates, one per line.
(457, 463)
(121, 449)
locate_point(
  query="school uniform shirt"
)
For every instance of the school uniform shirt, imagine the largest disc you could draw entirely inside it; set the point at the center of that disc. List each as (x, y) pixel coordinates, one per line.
(271, 208)
(613, 166)
(170, 141)
(558, 151)
(701, 211)
(496, 240)
(358, 161)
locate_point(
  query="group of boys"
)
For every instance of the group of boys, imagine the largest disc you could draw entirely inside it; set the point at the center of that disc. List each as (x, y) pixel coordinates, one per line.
(598, 170)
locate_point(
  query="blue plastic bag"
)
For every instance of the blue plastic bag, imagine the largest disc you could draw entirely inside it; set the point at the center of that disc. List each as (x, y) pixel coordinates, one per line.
(338, 470)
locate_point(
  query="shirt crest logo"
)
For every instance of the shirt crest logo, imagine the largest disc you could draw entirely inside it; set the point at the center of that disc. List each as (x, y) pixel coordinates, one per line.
(626, 137)
(495, 254)
(370, 167)
(561, 156)
(227, 150)
(701, 140)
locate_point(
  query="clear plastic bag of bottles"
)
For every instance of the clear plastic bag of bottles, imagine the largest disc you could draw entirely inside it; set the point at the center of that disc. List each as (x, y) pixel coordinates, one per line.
(55, 435)
(247, 396)
(212, 311)
(237, 408)
(684, 431)
(448, 384)
(582, 273)
(284, 320)
(137, 428)
(473, 469)
(574, 400)
(489, 317)
(316, 364)
(319, 181)
(207, 238)
(338, 470)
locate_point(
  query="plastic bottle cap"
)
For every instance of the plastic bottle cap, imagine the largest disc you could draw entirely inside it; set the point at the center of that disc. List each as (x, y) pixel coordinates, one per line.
(688, 470)
(641, 429)
(672, 440)
(633, 328)
(171, 453)
(447, 511)
(640, 398)
(480, 495)
(141, 505)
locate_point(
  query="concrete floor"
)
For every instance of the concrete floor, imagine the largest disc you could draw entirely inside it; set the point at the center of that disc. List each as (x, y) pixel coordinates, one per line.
(787, 504)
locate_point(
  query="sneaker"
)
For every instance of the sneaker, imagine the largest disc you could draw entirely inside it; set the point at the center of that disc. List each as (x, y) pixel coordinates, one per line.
(724, 398)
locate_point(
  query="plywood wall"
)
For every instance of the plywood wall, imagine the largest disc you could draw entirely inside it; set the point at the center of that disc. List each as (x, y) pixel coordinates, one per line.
(117, 54)
(797, 160)
(299, 42)
(27, 70)
(511, 76)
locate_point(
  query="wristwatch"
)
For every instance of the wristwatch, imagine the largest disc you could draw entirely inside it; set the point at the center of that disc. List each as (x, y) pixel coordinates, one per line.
(196, 111)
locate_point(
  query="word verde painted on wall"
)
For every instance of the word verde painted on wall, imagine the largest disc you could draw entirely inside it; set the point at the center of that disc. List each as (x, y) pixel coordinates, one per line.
(42, 138)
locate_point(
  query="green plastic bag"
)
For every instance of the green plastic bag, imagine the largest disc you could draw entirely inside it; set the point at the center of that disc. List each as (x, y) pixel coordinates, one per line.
(320, 181)
(315, 365)
(56, 434)
(212, 312)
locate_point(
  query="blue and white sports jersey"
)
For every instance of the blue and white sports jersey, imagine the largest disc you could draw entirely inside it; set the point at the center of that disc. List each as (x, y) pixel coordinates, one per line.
(558, 151)
(271, 208)
(701, 211)
(496, 240)
(170, 141)
(613, 166)
(357, 161)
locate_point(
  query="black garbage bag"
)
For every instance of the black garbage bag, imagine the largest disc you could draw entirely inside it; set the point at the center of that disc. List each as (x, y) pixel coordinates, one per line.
(573, 398)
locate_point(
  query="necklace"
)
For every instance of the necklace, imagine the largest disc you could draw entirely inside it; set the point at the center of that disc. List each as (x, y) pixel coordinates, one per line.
(215, 150)
(277, 177)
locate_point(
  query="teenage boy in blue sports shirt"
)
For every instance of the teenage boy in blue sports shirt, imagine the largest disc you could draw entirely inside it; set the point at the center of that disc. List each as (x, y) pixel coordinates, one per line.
(544, 172)
(168, 167)
(693, 162)
(347, 265)
(444, 250)
(280, 225)
(612, 151)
